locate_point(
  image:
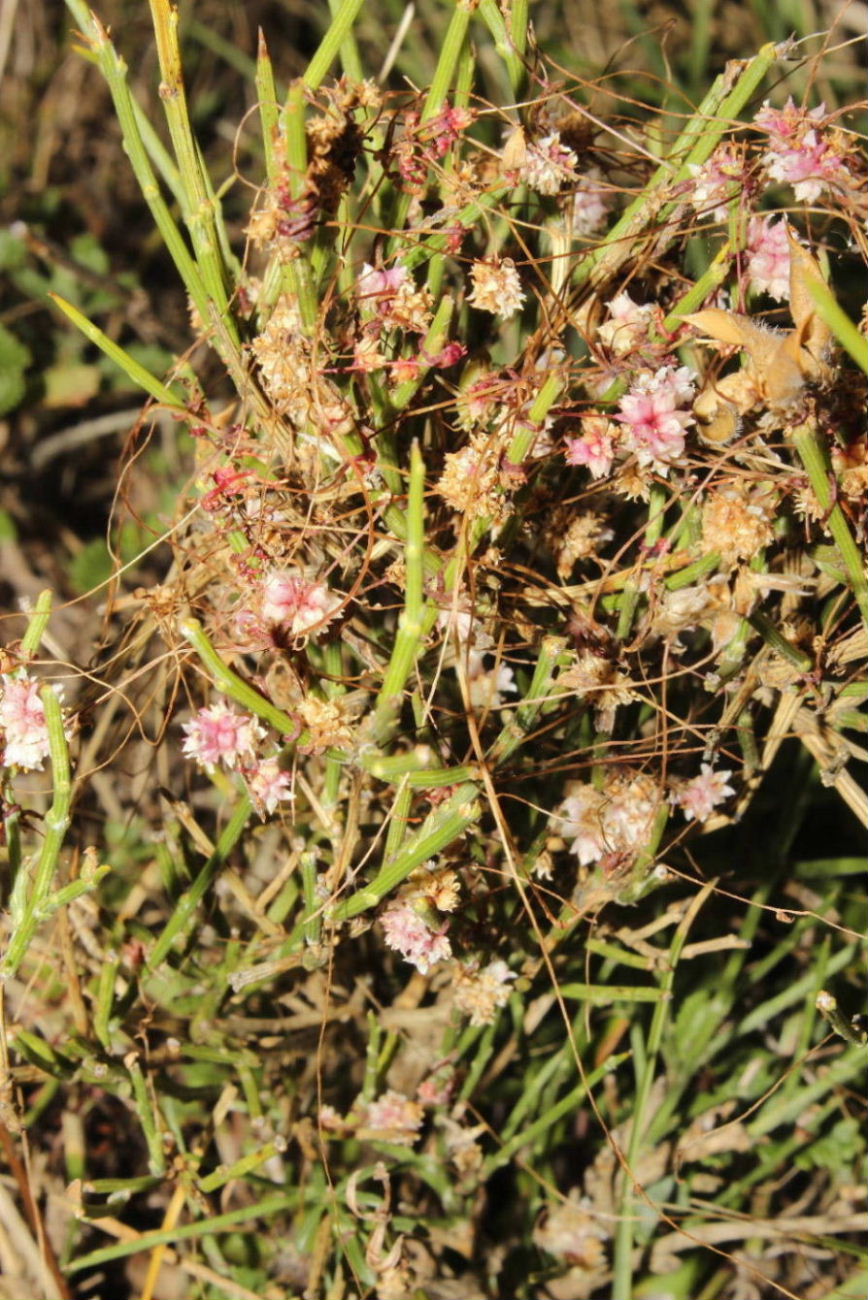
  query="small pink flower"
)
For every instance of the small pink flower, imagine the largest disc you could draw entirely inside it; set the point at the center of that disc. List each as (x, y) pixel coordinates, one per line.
(654, 426)
(436, 1090)
(269, 785)
(220, 735)
(291, 601)
(787, 122)
(594, 447)
(22, 719)
(699, 797)
(450, 356)
(768, 258)
(409, 935)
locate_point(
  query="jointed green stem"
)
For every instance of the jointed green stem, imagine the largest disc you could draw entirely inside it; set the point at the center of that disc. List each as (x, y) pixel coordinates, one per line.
(439, 830)
(410, 625)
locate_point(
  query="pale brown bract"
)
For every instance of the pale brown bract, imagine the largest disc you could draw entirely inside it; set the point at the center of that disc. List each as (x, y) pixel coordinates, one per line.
(779, 364)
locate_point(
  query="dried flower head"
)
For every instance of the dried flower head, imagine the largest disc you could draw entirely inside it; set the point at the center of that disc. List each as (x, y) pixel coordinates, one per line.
(629, 325)
(615, 820)
(471, 483)
(548, 164)
(496, 287)
(395, 1117)
(575, 536)
(327, 723)
(737, 521)
(594, 677)
(480, 992)
(293, 376)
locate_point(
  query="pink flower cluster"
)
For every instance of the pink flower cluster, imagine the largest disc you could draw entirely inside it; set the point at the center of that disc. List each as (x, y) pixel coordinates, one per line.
(548, 164)
(592, 202)
(768, 258)
(269, 784)
(616, 820)
(800, 152)
(218, 735)
(699, 797)
(594, 447)
(717, 182)
(22, 722)
(290, 600)
(653, 416)
(412, 937)
(442, 132)
(376, 285)
(395, 1116)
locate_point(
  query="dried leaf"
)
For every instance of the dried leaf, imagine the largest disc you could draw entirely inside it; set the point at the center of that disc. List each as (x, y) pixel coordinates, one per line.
(804, 271)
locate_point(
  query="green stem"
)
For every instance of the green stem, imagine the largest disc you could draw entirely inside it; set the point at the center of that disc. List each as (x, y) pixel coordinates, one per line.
(31, 902)
(36, 625)
(269, 114)
(136, 372)
(189, 902)
(140, 143)
(450, 57)
(146, 1115)
(234, 686)
(516, 730)
(410, 624)
(510, 44)
(344, 14)
(623, 1252)
(693, 147)
(201, 210)
(815, 458)
(440, 829)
